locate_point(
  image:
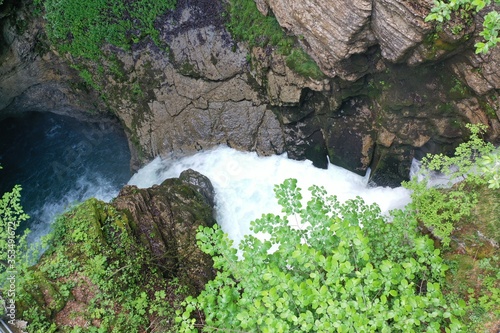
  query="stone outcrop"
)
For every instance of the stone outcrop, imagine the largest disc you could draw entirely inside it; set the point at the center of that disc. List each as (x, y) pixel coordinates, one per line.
(166, 218)
(333, 30)
(399, 26)
(144, 239)
(338, 34)
(197, 96)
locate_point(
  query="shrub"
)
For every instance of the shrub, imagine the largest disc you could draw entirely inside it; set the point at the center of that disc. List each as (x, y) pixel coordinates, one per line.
(440, 207)
(316, 269)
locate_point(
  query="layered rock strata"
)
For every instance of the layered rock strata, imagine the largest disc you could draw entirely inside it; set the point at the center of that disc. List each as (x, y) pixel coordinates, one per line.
(394, 88)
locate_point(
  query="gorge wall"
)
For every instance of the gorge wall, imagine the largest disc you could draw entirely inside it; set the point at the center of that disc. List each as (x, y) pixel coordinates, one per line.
(394, 87)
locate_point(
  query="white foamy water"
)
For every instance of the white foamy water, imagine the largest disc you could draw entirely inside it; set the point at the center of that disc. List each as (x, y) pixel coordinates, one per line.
(85, 187)
(244, 184)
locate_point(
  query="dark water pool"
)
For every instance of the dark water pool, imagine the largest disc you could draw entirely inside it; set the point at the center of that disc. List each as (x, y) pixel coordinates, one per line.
(60, 161)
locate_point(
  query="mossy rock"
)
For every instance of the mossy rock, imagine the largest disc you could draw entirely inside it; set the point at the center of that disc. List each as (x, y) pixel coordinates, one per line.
(108, 265)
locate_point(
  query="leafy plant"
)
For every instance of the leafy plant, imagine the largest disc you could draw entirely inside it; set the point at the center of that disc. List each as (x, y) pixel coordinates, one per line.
(316, 269)
(489, 165)
(443, 10)
(440, 207)
(12, 245)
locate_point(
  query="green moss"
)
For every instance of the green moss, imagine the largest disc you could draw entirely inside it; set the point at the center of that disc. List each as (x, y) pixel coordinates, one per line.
(246, 23)
(81, 28)
(188, 69)
(301, 63)
(459, 90)
(435, 44)
(93, 248)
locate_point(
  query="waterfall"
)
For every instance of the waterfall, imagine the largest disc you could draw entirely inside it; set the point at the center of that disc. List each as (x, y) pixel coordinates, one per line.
(60, 161)
(244, 183)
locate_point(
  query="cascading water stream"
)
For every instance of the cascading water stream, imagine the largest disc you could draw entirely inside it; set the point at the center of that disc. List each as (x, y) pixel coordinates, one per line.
(60, 161)
(244, 183)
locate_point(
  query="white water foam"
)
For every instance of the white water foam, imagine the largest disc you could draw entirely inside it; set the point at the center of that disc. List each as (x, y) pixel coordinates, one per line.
(244, 183)
(84, 188)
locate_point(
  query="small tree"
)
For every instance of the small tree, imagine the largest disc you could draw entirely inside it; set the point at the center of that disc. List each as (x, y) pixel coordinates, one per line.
(316, 269)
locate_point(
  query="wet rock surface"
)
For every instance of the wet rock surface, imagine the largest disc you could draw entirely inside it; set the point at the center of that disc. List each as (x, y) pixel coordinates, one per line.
(397, 88)
(166, 217)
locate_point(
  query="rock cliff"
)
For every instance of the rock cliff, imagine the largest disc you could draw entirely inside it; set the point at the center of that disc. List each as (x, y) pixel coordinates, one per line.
(395, 87)
(32, 77)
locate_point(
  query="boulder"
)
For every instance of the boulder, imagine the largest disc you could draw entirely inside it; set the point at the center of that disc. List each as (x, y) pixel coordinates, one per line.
(166, 217)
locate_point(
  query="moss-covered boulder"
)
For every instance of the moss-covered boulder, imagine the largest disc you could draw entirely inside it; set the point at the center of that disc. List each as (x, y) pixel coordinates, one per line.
(165, 219)
(121, 266)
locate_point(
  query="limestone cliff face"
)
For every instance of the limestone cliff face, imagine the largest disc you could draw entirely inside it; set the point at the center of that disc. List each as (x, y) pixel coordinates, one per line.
(338, 33)
(395, 88)
(333, 30)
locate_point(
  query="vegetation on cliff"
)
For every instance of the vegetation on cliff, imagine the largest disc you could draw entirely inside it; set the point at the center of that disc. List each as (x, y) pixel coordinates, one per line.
(248, 24)
(95, 277)
(444, 10)
(82, 28)
(439, 209)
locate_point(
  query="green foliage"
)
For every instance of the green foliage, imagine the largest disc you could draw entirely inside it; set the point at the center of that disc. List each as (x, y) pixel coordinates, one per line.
(439, 208)
(443, 10)
(12, 244)
(93, 248)
(491, 25)
(11, 216)
(316, 269)
(248, 24)
(303, 64)
(485, 306)
(81, 27)
(489, 166)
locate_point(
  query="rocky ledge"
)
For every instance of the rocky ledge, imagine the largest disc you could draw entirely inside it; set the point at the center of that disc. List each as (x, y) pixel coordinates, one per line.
(136, 256)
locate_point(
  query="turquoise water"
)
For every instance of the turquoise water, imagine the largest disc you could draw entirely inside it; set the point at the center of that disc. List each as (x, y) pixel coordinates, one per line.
(60, 161)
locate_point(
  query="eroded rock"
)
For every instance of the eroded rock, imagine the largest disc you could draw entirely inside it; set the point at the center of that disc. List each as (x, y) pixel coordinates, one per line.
(333, 30)
(33, 78)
